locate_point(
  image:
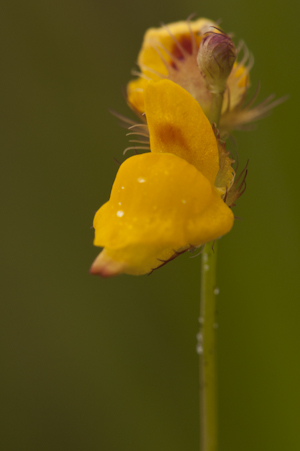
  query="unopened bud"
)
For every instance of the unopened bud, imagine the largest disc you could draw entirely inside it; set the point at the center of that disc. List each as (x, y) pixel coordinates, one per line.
(215, 60)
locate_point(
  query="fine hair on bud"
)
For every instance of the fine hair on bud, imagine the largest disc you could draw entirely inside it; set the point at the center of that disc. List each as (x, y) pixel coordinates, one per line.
(215, 59)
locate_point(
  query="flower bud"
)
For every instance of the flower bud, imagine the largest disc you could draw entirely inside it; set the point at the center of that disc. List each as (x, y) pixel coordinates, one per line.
(215, 60)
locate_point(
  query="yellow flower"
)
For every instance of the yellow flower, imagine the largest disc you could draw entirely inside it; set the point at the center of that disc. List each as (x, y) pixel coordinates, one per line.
(170, 52)
(171, 199)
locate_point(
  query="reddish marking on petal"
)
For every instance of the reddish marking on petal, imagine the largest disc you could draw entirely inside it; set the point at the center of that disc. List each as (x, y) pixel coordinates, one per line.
(185, 41)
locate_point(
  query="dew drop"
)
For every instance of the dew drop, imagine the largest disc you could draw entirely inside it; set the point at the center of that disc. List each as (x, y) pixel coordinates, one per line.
(141, 180)
(199, 349)
(199, 338)
(120, 213)
(199, 346)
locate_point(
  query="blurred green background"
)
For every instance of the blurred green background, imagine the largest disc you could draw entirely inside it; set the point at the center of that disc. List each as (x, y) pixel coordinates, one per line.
(91, 364)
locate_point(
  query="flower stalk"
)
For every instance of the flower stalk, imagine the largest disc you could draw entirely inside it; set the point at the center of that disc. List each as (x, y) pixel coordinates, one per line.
(216, 57)
(207, 350)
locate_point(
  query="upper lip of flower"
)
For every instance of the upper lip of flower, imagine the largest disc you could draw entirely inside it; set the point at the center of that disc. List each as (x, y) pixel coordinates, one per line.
(178, 125)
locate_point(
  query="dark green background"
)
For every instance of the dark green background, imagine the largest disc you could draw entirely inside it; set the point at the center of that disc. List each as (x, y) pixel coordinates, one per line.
(91, 364)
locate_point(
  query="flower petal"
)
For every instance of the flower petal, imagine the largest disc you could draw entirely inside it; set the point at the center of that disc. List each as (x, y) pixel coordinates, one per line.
(178, 125)
(135, 93)
(237, 86)
(159, 205)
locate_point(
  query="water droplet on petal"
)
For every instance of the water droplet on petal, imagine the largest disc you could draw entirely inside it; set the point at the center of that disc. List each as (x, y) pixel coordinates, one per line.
(120, 213)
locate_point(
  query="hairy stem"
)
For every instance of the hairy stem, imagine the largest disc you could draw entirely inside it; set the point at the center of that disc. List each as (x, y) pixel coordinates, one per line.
(207, 350)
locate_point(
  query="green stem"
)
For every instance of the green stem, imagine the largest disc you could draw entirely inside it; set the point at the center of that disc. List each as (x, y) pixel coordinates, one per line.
(207, 350)
(215, 107)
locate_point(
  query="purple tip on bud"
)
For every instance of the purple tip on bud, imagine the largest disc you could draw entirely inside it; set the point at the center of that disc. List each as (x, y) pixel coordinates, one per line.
(215, 59)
